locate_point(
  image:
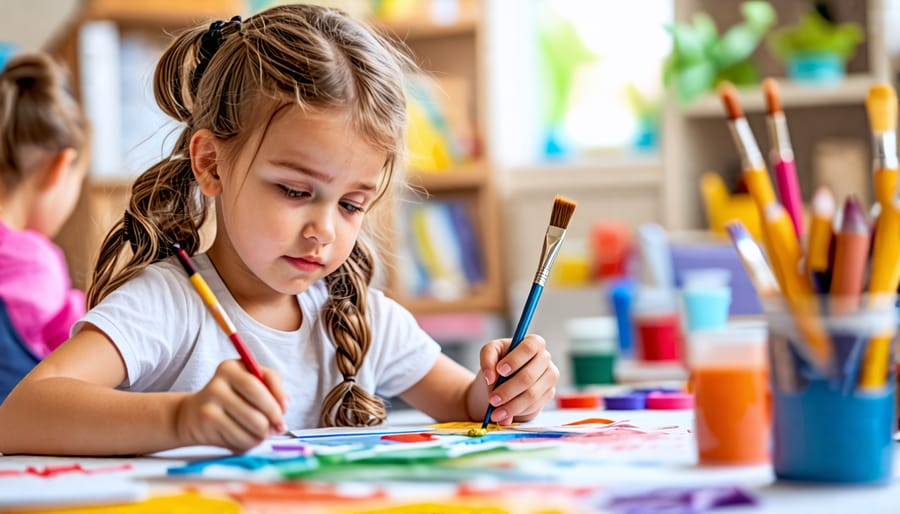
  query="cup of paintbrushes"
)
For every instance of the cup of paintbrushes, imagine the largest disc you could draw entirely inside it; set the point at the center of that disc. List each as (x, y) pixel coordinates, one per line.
(834, 423)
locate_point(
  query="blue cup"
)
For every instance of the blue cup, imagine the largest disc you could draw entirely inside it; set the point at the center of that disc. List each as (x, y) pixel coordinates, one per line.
(834, 424)
(823, 435)
(706, 308)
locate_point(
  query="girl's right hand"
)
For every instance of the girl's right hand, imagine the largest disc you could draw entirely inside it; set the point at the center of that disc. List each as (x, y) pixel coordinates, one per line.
(234, 410)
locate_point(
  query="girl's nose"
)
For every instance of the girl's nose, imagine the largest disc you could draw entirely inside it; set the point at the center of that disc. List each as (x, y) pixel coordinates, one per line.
(320, 225)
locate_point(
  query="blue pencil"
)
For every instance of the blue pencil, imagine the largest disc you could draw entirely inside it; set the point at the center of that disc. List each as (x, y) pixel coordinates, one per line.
(556, 231)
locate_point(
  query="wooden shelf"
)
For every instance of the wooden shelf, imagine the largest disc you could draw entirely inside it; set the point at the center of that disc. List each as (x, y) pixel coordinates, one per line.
(424, 28)
(485, 299)
(164, 13)
(613, 173)
(472, 176)
(850, 91)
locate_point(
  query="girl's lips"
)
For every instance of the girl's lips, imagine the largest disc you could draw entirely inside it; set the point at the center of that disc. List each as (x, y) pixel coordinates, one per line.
(304, 264)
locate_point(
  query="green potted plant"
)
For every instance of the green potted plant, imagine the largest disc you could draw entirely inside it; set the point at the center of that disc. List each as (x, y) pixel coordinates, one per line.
(701, 58)
(815, 49)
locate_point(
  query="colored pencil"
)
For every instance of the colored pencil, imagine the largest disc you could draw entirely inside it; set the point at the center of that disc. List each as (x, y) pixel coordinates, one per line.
(850, 255)
(215, 308)
(755, 174)
(553, 238)
(881, 106)
(782, 156)
(818, 247)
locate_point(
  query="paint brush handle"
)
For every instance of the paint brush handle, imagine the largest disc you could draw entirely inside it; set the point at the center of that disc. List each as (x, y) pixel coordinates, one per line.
(789, 191)
(524, 320)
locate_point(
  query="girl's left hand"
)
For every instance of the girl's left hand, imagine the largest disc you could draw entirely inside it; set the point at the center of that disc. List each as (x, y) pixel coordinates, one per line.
(533, 380)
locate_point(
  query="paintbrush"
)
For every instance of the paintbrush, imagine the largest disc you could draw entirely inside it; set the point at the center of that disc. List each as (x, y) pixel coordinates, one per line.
(756, 177)
(553, 238)
(883, 281)
(785, 255)
(782, 155)
(881, 105)
(753, 259)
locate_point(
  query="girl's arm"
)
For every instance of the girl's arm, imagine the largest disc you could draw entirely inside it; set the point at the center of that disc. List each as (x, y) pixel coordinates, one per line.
(449, 392)
(67, 405)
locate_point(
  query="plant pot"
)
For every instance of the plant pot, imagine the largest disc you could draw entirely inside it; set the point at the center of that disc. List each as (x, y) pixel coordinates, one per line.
(816, 68)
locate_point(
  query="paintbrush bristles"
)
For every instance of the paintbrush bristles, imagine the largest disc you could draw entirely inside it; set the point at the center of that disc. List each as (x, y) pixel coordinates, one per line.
(563, 209)
(773, 99)
(881, 105)
(730, 100)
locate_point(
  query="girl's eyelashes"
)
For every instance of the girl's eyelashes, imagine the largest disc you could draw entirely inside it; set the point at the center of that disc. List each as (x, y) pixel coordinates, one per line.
(352, 208)
(292, 193)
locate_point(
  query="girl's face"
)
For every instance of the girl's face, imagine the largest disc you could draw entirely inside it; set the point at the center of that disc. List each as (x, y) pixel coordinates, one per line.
(292, 211)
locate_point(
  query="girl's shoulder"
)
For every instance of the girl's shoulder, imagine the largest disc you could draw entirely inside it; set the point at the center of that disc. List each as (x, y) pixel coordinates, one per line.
(162, 279)
(27, 243)
(28, 250)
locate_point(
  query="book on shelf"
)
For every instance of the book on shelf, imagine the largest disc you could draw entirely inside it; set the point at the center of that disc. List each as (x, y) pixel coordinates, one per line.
(440, 131)
(131, 133)
(443, 248)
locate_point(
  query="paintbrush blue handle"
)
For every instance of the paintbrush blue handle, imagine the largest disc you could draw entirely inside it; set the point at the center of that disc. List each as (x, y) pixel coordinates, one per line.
(524, 320)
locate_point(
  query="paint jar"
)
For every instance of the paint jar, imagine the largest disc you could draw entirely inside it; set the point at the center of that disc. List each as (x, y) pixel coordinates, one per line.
(706, 298)
(729, 379)
(833, 422)
(657, 329)
(621, 292)
(593, 346)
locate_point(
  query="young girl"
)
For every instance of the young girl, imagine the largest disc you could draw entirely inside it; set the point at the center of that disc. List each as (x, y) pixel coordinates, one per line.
(43, 146)
(293, 127)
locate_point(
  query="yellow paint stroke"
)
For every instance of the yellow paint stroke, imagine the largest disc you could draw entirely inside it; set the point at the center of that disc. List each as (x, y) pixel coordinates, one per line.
(463, 427)
(181, 503)
(477, 432)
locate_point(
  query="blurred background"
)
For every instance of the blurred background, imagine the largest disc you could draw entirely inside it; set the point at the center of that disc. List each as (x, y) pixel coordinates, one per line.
(611, 104)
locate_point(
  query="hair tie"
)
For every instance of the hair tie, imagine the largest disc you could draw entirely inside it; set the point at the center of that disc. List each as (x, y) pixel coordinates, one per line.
(351, 378)
(209, 45)
(128, 230)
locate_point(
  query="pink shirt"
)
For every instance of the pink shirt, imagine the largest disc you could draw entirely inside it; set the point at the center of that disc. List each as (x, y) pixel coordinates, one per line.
(36, 289)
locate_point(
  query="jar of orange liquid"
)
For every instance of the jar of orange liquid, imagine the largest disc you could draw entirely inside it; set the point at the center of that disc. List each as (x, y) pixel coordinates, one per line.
(731, 394)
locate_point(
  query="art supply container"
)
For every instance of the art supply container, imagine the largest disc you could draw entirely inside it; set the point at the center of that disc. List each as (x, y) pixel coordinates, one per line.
(706, 298)
(656, 324)
(731, 394)
(834, 424)
(620, 296)
(593, 344)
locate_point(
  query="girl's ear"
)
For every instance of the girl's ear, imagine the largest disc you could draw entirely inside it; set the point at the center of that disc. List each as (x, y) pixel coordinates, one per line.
(57, 167)
(204, 162)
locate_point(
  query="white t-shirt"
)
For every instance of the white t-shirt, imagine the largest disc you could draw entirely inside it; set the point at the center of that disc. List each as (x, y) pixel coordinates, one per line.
(170, 342)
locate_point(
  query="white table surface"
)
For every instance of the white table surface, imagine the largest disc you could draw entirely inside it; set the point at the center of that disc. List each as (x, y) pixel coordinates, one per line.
(672, 466)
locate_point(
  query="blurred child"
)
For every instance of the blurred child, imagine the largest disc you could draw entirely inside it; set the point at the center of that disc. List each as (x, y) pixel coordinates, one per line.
(44, 138)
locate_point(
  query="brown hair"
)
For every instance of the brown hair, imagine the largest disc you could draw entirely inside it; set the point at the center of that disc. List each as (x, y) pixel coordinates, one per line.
(308, 56)
(37, 113)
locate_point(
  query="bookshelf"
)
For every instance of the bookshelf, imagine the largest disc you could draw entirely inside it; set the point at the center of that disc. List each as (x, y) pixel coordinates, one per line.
(450, 48)
(695, 137)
